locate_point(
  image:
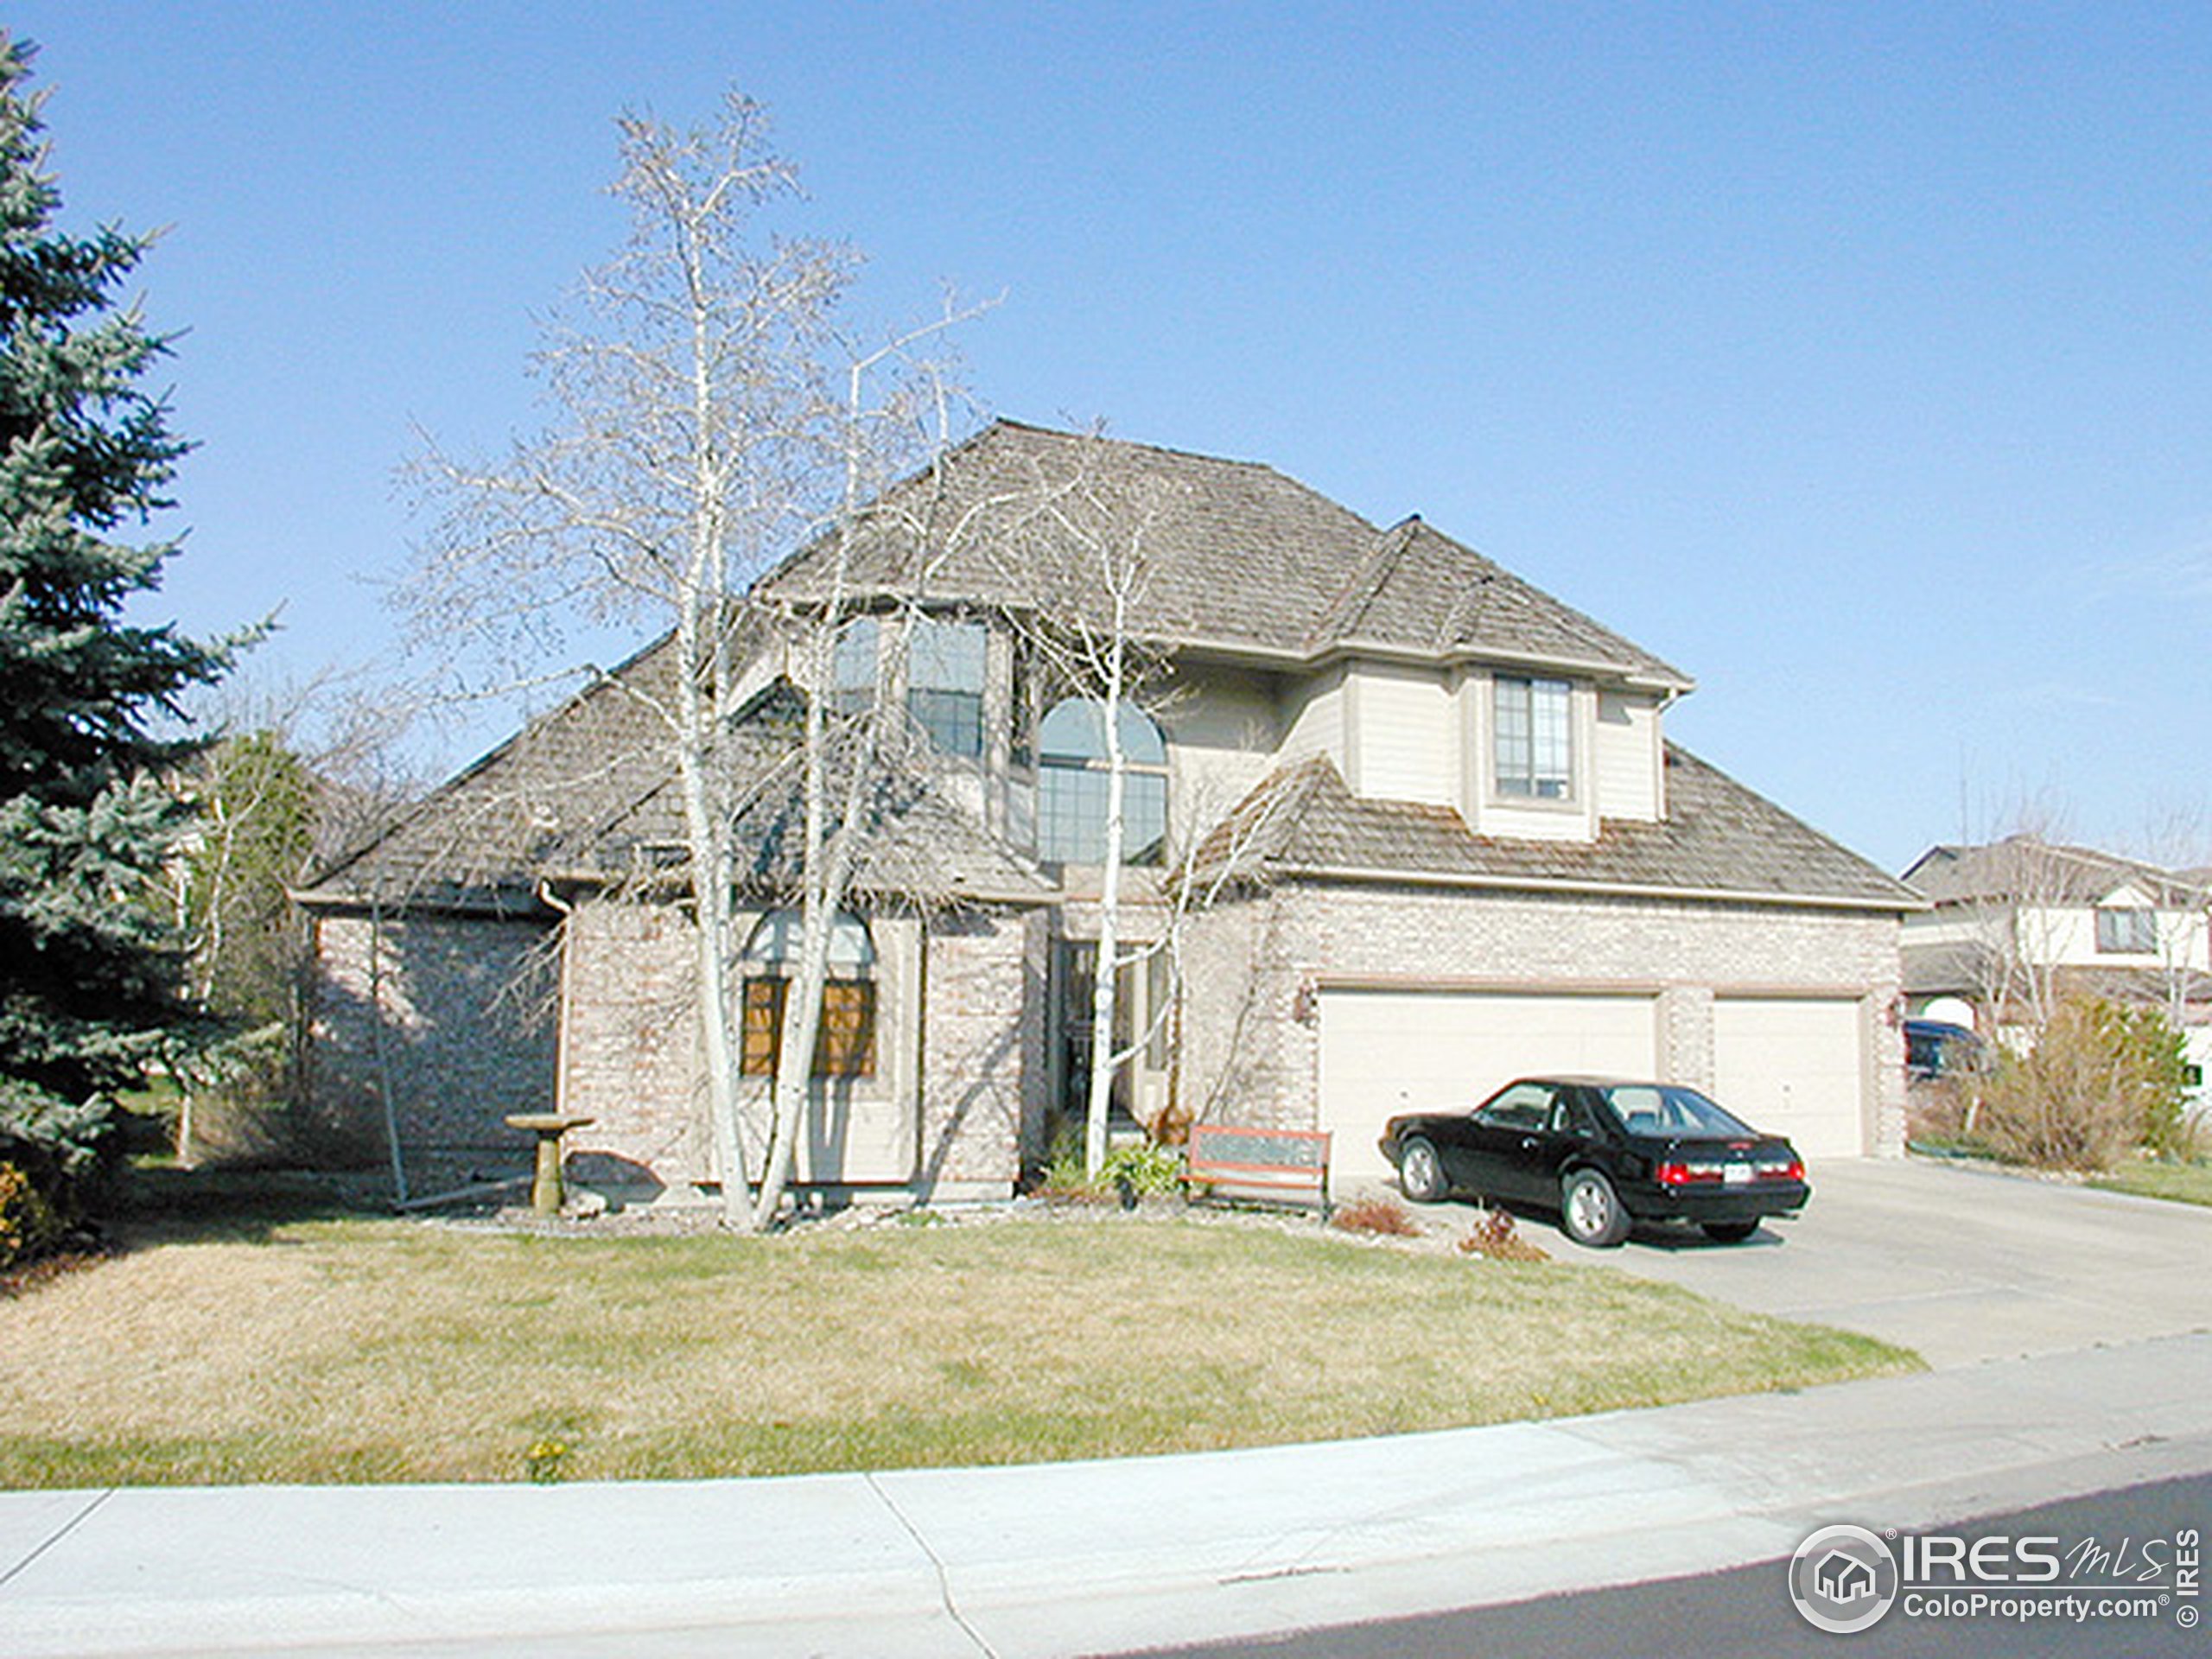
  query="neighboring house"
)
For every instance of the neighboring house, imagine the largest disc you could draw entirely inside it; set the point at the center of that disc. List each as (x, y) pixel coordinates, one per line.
(1445, 839)
(2018, 925)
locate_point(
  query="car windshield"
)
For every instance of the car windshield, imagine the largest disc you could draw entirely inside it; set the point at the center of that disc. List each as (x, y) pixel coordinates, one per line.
(1664, 1109)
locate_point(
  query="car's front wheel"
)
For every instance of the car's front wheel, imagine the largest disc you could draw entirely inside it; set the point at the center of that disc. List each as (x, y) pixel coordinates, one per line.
(1420, 1171)
(1730, 1232)
(1591, 1210)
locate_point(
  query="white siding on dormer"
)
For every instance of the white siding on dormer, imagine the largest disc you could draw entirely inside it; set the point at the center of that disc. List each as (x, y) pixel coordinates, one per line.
(1402, 743)
(1222, 733)
(1629, 762)
(1314, 719)
(1490, 814)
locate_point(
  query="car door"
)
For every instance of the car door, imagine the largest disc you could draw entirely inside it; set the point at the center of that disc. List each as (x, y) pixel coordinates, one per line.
(1500, 1155)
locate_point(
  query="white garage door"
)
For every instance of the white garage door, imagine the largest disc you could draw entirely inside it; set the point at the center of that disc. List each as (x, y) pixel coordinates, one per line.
(1794, 1065)
(1383, 1052)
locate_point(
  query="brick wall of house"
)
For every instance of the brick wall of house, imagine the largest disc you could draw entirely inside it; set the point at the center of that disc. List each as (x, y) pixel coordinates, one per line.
(1252, 1028)
(630, 1056)
(466, 1036)
(982, 1049)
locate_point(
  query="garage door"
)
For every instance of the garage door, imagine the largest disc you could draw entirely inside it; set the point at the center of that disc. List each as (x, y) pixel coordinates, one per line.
(1383, 1052)
(1795, 1065)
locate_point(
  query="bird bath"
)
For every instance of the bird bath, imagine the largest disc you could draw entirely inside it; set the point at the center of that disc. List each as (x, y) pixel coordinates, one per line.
(545, 1194)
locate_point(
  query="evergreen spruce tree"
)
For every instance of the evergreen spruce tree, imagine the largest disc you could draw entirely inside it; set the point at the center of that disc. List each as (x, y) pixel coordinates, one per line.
(91, 974)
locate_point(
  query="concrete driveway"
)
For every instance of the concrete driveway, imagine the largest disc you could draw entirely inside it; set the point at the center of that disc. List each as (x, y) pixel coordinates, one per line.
(1964, 1265)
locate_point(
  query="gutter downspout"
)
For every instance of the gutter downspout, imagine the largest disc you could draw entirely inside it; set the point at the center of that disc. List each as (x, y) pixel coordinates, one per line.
(567, 912)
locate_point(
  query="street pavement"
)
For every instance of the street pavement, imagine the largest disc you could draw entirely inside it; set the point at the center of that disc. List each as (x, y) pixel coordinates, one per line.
(1075, 1558)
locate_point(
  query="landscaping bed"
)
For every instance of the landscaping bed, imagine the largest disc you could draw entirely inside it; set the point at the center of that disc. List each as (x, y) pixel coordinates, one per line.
(315, 1349)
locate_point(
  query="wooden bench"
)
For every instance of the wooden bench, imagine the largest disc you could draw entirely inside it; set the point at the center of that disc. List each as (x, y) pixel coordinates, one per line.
(1258, 1165)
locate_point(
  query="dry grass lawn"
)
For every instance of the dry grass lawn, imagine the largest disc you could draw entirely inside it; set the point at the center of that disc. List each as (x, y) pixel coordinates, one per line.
(372, 1351)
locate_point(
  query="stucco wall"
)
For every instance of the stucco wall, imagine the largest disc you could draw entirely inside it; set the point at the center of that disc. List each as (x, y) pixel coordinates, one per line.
(1250, 1050)
(466, 1034)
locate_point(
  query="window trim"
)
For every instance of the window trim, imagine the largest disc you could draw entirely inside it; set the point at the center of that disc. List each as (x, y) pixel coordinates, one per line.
(2119, 926)
(1499, 790)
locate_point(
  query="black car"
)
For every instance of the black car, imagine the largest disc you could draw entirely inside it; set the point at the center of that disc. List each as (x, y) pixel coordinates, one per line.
(1934, 1048)
(1605, 1152)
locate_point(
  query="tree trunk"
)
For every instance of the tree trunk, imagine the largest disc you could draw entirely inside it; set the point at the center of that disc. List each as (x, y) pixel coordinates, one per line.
(1105, 986)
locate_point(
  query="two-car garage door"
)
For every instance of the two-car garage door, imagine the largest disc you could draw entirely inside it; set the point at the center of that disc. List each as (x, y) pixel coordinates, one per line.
(1791, 1065)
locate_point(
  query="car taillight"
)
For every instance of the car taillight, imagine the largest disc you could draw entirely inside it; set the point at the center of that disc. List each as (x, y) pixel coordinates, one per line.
(1674, 1172)
(1777, 1170)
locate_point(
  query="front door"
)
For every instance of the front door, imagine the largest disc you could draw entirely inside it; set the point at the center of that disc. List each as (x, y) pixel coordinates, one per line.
(1141, 992)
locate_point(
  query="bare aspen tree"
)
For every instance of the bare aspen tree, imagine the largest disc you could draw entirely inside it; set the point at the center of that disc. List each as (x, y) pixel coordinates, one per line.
(1095, 529)
(708, 415)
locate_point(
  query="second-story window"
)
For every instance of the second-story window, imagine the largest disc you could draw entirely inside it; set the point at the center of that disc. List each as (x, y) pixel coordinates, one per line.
(1073, 771)
(2126, 933)
(1534, 739)
(852, 666)
(945, 664)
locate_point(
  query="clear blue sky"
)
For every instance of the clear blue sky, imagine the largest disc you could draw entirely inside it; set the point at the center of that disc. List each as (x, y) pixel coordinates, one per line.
(1855, 358)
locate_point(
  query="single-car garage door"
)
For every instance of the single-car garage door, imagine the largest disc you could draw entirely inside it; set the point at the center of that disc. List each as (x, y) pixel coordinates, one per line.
(1383, 1052)
(1795, 1067)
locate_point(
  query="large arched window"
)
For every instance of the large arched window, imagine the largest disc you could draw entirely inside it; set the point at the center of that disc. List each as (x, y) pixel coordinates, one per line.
(844, 1042)
(1071, 774)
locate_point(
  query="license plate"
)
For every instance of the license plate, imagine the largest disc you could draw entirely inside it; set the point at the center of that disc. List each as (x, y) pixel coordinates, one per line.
(1735, 1175)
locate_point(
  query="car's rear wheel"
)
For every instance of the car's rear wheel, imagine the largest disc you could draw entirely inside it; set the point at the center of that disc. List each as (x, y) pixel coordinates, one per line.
(1420, 1171)
(1730, 1232)
(1590, 1210)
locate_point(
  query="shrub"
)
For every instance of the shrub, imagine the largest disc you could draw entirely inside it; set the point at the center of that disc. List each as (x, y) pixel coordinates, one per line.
(1134, 1170)
(2103, 1078)
(1494, 1236)
(1377, 1215)
(30, 1224)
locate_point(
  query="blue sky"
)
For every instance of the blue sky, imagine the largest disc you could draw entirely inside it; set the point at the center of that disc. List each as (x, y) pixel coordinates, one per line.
(1854, 359)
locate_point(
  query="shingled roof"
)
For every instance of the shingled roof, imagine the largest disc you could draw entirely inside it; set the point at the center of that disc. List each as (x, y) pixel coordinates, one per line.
(585, 795)
(1238, 555)
(2027, 867)
(1719, 840)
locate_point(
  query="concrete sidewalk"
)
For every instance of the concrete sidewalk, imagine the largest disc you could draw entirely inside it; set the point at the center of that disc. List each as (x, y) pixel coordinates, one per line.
(1074, 1558)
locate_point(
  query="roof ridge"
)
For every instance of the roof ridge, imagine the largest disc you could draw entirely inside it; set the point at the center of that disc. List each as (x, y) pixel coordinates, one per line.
(1364, 583)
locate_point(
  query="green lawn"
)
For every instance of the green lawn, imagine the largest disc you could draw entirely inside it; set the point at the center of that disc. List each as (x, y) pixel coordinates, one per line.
(304, 1349)
(2182, 1183)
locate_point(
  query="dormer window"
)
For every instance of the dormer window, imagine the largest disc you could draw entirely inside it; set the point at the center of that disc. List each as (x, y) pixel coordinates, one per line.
(1534, 739)
(946, 665)
(2126, 933)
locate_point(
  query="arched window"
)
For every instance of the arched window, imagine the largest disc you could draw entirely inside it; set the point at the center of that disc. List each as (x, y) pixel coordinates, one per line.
(844, 1042)
(1071, 773)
